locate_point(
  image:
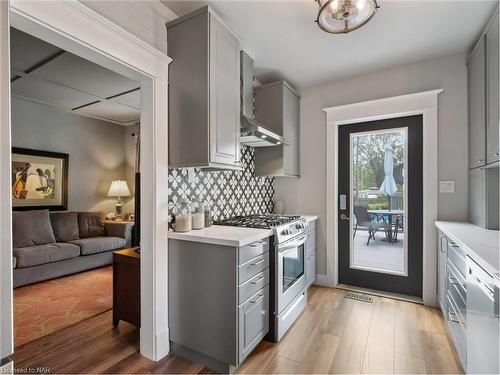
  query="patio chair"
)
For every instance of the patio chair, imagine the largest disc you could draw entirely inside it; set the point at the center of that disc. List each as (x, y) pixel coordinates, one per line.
(365, 220)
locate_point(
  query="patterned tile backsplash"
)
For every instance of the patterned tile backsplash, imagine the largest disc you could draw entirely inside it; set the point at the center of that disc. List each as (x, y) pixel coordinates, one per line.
(227, 193)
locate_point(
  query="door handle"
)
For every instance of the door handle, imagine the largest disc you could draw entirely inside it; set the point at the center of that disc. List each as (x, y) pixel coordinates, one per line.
(344, 217)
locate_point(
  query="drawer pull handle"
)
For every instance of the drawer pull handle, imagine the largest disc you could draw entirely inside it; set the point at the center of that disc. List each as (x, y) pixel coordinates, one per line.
(257, 263)
(255, 244)
(260, 299)
(258, 280)
(453, 281)
(452, 317)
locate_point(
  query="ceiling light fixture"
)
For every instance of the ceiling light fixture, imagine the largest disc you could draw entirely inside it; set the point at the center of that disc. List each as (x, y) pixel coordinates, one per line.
(344, 16)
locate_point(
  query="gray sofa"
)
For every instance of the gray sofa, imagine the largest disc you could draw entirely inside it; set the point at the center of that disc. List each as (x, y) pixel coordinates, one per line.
(50, 245)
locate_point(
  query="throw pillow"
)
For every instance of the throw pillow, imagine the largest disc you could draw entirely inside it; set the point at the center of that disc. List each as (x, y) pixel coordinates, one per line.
(91, 224)
(65, 226)
(31, 228)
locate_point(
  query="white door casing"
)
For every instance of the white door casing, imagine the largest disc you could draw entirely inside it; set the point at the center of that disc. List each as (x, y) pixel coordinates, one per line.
(423, 103)
(75, 28)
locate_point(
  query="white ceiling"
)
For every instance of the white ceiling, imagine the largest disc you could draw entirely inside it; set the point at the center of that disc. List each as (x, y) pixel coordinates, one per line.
(286, 43)
(48, 75)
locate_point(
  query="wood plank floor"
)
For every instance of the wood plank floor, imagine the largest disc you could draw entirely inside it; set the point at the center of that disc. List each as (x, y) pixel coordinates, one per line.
(333, 335)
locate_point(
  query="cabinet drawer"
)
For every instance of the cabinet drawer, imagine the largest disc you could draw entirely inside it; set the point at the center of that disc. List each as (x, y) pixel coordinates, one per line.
(457, 331)
(457, 257)
(252, 250)
(252, 286)
(310, 242)
(249, 269)
(253, 322)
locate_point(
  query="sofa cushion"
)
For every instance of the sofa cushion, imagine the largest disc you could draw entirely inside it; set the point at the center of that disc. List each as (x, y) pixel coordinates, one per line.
(31, 228)
(95, 245)
(65, 226)
(91, 224)
(35, 255)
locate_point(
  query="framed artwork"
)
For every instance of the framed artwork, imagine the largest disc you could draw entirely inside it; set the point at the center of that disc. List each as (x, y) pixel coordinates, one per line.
(39, 180)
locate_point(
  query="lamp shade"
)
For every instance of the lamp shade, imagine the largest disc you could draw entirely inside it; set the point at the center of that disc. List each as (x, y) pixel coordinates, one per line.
(119, 188)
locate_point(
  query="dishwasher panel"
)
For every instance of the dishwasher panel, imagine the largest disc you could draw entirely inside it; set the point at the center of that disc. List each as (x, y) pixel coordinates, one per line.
(482, 326)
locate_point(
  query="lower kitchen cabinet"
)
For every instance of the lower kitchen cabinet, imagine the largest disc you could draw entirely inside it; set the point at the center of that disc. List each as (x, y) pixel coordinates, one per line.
(441, 271)
(310, 268)
(218, 301)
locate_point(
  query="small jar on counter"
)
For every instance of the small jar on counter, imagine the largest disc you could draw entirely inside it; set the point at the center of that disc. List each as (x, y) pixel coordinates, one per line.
(208, 216)
(183, 216)
(198, 215)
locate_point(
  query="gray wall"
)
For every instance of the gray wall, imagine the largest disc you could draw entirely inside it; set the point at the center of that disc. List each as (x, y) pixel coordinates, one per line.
(307, 195)
(97, 151)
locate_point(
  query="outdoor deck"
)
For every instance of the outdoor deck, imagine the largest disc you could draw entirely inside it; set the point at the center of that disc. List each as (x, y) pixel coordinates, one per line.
(379, 254)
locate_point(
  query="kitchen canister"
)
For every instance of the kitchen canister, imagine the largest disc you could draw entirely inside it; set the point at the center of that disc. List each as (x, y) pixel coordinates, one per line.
(183, 216)
(198, 215)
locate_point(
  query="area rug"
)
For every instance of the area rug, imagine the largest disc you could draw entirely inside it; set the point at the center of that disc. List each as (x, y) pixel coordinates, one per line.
(48, 306)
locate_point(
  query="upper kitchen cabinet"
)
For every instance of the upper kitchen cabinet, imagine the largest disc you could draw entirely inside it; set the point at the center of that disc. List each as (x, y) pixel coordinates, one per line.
(477, 106)
(204, 92)
(492, 92)
(277, 106)
(483, 76)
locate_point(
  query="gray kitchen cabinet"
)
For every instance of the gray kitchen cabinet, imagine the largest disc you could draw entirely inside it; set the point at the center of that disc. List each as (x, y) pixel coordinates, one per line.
(218, 301)
(483, 197)
(492, 91)
(441, 271)
(310, 247)
(477, 105)
(277, 106)
(204, 92)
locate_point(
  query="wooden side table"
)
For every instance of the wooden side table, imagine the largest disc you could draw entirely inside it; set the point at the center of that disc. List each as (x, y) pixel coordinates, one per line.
(127, 286)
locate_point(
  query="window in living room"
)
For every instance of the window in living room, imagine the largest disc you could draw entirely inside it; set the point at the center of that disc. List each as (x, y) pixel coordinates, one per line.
(75, 137)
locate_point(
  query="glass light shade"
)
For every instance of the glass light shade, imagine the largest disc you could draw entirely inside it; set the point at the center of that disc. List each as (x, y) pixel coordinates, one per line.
(119, 188)
(343, 16)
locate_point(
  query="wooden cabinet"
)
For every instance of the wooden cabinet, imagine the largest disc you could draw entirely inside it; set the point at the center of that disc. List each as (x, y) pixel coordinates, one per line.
(492, 92)
(204, 92)
(310, 246)
(483, 197)
(127, 287)
(218, 301)
(477, 106)
(277, 107)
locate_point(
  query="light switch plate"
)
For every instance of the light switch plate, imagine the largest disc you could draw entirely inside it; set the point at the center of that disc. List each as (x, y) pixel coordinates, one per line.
(446, 187)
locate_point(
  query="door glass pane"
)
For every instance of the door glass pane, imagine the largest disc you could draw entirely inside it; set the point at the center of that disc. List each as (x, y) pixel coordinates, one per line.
(378, 201)
(293, 266)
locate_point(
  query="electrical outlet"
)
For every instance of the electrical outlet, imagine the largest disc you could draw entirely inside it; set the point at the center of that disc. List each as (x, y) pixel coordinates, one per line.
(447, 187)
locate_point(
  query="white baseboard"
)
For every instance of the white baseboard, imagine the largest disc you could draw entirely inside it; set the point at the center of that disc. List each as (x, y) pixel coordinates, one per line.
(162, 344)
(322, 280)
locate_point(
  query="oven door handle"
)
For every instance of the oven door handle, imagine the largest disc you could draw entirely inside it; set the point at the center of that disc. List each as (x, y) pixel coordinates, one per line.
(293, 243)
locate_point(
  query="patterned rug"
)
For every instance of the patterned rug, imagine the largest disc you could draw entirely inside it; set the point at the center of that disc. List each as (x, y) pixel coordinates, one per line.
(49, 306)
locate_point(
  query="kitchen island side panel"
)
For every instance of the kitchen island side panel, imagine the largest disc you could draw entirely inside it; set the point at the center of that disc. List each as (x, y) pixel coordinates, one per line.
(202, 298)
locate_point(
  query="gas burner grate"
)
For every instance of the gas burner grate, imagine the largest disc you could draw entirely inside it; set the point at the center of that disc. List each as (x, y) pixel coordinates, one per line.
(258, 221)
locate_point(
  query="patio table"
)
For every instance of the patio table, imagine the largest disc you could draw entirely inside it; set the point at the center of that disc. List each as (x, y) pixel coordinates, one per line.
(390, 214)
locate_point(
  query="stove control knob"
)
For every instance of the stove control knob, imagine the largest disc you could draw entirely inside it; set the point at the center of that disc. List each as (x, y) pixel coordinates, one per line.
(299, 226)
(284, 232)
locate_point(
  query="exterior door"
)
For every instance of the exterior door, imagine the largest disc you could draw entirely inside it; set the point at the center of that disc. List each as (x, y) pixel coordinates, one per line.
(380, 205)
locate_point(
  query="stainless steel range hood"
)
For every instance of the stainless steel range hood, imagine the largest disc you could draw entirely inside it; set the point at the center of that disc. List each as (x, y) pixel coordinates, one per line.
(253, 133)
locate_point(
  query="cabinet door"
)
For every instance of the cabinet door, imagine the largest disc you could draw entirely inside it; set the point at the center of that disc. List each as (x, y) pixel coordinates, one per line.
(291, 132)
(224, 95)
(441, 277)
(310, 269)
(253, 322)
(477, 107)
(477, 196)
(492, 96)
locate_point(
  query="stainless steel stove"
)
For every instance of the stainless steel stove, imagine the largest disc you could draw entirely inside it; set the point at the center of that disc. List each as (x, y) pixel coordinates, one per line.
(287, 262)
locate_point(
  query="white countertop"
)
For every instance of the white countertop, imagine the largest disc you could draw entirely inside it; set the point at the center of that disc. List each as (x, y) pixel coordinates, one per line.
(223, 235)
(482, 245)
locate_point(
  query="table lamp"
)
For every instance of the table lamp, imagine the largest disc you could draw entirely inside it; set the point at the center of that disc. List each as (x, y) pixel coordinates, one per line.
(119, 188)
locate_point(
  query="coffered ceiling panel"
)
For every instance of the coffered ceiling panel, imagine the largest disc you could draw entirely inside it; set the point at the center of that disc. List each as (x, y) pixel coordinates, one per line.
(111, 111)
(27, 51)
(73, 71)
(46, 92)
(132, 99)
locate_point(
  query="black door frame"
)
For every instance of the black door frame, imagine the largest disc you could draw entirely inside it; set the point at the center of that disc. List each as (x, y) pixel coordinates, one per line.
(413, 283)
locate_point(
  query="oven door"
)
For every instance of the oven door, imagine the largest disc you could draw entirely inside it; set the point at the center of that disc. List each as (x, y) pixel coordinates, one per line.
(290, 279)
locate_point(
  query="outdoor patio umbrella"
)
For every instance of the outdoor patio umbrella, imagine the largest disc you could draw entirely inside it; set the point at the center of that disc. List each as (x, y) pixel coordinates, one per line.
(389, 186)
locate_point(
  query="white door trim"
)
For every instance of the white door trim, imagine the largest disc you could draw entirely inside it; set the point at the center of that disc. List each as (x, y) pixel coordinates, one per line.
(74, 27)
(423, 103)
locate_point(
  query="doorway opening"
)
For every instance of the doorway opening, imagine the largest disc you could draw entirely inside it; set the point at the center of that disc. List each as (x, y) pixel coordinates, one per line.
(380, 205)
